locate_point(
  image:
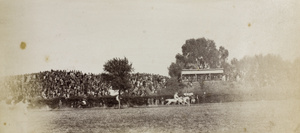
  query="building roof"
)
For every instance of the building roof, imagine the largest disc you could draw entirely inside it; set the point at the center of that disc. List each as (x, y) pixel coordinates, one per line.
(202, 71)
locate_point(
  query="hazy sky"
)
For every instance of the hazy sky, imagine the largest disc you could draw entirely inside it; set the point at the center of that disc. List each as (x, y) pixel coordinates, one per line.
(84, 34)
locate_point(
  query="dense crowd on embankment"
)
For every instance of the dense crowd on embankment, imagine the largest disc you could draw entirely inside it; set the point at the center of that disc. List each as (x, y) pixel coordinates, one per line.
(69, 84)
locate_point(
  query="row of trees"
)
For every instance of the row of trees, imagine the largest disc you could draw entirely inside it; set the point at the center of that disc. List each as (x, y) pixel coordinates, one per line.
(265, 70)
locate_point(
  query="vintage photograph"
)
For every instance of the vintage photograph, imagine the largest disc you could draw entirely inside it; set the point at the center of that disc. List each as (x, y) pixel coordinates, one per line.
(149, 66)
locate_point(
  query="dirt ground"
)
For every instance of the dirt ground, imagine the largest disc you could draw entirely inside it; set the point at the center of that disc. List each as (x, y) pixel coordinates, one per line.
(256, 116)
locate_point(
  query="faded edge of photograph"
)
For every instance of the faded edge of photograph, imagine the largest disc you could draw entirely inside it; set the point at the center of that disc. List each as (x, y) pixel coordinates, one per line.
(149, 66)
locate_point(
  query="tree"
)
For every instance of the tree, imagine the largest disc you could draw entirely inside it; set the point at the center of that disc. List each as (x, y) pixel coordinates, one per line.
(117, 74)
(223, 54)
(175, 70)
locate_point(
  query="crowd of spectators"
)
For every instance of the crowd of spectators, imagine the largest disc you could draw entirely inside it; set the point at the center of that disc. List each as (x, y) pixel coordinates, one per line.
(206, 77)
(68, 84)
(147, 84)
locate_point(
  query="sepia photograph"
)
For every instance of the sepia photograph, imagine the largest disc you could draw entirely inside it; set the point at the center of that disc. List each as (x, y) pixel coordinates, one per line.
(149, 66)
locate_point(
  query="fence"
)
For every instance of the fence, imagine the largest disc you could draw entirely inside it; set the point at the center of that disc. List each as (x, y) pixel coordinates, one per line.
(129, 101)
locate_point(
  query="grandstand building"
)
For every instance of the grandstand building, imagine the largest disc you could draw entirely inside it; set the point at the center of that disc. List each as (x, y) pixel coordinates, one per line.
(193, 75)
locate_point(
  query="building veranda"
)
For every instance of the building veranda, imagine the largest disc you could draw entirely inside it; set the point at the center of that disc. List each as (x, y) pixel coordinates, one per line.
(194, 75)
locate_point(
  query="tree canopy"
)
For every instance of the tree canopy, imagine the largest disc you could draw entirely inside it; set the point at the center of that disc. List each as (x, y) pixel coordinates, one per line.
(262, 70)
(117, 73)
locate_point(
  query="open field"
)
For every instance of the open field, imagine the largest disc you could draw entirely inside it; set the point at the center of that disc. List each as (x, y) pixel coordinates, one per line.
(256, 116)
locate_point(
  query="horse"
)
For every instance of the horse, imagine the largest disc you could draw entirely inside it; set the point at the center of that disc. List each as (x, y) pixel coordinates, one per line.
(169, 101)
(184, 100)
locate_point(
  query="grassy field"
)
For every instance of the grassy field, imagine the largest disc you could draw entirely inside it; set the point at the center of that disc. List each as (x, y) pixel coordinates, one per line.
(256, 116)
